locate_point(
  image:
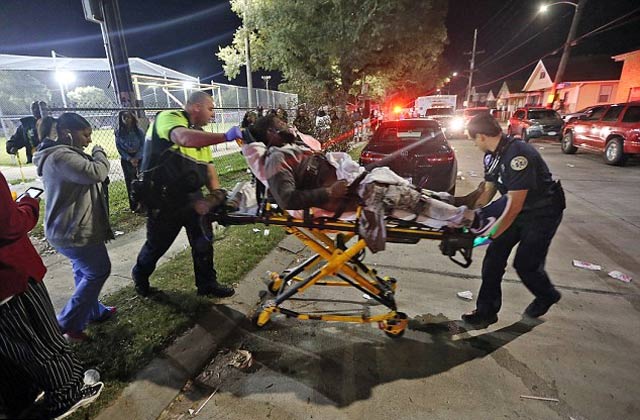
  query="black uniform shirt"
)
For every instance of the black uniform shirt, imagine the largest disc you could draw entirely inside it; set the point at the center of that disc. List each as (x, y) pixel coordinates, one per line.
(516, 165)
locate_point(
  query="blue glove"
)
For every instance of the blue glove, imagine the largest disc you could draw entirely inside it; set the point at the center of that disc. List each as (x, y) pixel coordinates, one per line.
(233, 133)
(481, 241)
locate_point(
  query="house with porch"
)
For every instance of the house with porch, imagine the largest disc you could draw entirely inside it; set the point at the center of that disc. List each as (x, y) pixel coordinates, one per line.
(588, 80)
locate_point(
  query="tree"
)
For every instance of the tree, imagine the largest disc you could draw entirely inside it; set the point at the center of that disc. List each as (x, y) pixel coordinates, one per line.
(326, 49)
(89, 97)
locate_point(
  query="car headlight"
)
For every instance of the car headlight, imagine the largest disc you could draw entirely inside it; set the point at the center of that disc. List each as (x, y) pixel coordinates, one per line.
(456, 124)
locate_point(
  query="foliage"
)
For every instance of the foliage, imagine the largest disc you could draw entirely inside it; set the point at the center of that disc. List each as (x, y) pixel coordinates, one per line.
(88, 97)
(325, 49)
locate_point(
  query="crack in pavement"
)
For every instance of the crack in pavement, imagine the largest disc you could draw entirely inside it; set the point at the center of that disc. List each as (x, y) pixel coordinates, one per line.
(507, 280)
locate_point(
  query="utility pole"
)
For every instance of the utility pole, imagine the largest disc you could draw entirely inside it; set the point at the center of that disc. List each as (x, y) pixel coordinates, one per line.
(472, 66)
(107, 14)
(579, 6)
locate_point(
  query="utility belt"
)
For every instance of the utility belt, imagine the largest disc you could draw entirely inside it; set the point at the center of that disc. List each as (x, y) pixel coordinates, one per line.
(171, 182)
(554, 201)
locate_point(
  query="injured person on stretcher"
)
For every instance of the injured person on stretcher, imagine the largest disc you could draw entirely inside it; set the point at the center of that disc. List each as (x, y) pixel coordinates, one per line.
(301, 177)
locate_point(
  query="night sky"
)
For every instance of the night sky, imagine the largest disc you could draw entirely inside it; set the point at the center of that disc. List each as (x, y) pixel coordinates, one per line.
(185, 34)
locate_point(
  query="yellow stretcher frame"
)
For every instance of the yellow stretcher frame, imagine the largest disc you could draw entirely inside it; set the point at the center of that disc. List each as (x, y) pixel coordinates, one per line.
(334, 259)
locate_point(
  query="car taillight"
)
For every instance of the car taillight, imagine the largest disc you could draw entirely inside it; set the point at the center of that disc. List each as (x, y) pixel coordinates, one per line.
(370, 156)
(441, 158)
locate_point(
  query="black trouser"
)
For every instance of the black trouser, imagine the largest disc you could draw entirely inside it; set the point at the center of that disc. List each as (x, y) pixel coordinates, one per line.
(130, 173)
(163, 226)
(534, 233)
(34, 356)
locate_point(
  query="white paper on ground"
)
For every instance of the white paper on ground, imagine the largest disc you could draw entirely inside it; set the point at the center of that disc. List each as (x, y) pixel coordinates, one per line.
(618, 275)
(587, 265)
(465, 295)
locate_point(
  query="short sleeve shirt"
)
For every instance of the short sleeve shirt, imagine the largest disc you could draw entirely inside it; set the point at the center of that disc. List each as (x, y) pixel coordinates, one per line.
(167, 121)
(516, 165)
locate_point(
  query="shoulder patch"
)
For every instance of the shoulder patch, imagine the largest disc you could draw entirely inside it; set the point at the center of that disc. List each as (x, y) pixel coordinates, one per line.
(518, 163)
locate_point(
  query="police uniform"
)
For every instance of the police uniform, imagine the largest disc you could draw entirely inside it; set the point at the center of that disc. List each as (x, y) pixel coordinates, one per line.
(516, 165)
(177, 175)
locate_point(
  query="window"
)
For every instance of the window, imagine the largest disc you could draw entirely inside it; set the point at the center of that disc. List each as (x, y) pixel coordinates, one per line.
(605, 93)
(518, 115)
(545, 114)
(613, 113)
(542, 75)
(632, 115)
(595, 113)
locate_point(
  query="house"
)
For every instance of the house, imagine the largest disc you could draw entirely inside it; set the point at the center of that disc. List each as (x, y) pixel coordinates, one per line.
(629, 86)
(588, 80)
(510, 97)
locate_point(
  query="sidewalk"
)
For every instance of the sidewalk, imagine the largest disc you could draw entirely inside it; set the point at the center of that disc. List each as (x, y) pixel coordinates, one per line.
(122, 252)
(158, 384)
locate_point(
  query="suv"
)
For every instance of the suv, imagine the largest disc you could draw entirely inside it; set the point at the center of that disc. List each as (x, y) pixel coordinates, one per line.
(451, 125)
(535, 122)
(613, 130)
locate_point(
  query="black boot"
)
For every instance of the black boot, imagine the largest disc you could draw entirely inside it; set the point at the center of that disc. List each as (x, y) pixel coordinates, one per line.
(480, 319)
(539, 307)
(216, 290)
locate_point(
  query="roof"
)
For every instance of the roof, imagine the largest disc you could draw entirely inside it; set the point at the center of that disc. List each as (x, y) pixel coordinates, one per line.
(515, 85)
(585, 68)
(137, 65)
(622, 57)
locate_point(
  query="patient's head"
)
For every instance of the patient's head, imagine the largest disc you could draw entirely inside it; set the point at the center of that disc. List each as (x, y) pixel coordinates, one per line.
(271, 131)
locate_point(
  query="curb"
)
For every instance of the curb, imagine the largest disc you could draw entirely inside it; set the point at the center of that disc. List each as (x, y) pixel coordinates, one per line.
(160, 382)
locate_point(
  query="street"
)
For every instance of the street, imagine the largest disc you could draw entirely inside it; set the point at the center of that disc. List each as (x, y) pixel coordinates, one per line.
(582, 353)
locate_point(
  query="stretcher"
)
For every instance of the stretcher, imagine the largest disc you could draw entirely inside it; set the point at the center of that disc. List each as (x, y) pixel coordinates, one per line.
(337, 261)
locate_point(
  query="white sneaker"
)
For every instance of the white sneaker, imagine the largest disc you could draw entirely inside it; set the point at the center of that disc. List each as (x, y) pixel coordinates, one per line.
(88, 395)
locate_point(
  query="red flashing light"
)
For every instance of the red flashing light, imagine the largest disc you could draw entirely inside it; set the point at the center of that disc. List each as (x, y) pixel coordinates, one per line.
(397, 109)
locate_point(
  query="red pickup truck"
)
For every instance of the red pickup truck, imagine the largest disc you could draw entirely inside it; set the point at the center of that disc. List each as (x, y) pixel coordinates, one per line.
(613, 130)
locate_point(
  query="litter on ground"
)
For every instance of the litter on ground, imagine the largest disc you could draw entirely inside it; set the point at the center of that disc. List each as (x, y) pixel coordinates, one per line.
(618, 275)
(586, 265)
(465, 295)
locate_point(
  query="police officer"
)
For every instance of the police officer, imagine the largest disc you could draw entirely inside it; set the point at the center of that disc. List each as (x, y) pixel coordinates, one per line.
(531, 218)
(174, 173)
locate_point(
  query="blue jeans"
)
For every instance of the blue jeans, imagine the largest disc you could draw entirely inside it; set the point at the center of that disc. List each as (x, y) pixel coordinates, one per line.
(91, 268)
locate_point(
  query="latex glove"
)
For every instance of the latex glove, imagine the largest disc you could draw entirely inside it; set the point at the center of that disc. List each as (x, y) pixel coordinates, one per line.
(233, 133)
(481, 241)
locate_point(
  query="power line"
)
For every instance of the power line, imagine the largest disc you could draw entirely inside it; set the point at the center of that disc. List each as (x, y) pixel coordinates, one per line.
(495, 15)
(575, 42)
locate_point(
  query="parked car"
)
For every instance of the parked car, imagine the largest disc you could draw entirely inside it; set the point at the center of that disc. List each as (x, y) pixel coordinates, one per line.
(469, 113)
(573, 115)
(417, 150)
(613, 130)
(531, 123)
(452, 125)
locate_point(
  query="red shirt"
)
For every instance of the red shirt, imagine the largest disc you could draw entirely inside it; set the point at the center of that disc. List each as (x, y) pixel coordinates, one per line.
(19, 260)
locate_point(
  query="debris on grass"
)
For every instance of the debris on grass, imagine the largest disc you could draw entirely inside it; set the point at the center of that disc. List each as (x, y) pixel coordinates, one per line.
(586, 265)
(242, 359)
(618, 275)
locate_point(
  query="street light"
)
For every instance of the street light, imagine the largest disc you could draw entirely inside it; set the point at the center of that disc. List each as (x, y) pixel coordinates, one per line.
(578, 6)
(454, 74)
(64, 78)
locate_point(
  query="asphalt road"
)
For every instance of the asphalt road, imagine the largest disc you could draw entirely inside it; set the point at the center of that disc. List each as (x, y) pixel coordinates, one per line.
(582, 353)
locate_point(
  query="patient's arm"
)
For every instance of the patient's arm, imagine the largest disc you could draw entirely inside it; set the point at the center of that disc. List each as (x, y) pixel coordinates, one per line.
(480, 197)
(283, 188)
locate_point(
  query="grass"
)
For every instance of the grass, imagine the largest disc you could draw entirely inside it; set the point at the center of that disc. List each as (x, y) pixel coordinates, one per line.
(19, 181)
(144, 327)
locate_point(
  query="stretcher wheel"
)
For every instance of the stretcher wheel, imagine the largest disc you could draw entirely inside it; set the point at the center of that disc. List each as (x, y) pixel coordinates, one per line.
(275, 283)
(261, 318)
(392, 282)
(395, 328)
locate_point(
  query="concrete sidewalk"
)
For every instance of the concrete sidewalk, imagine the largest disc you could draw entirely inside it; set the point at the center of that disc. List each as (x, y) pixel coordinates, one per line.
(157, 385)
(122, 252)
